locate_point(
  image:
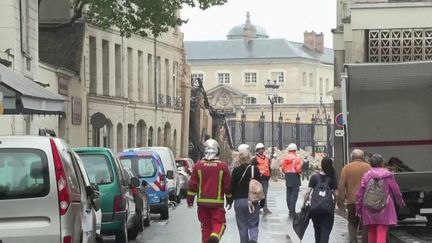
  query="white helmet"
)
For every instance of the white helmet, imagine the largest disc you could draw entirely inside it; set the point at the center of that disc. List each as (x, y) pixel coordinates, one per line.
(259, 146)
(243, 149)
(292, 147)
(211, 149)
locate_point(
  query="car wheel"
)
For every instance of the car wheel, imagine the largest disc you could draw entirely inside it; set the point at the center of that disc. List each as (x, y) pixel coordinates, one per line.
(122, 236)
(99, 239)
(138, 227)
(164, 212)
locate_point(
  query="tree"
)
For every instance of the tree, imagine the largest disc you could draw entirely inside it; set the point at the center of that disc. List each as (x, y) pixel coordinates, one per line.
(141, 17)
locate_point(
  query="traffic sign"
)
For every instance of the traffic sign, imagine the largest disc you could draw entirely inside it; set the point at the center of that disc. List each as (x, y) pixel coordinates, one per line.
(339, 120)
(339, 133)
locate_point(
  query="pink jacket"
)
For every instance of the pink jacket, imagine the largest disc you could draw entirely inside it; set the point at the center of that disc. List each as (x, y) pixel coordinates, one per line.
(386, 216)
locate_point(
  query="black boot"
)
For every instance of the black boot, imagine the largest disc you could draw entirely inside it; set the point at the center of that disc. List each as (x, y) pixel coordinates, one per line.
(213, 239)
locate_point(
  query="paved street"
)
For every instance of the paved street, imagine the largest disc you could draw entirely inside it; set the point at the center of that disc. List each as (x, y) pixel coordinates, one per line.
(183, 225)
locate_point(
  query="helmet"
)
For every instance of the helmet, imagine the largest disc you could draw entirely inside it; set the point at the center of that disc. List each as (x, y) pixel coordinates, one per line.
(292, 147)
(211, 149)
(259, 146)
(243, 149)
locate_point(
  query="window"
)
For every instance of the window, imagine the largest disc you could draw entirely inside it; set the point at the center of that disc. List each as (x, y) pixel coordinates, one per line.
(93, 71)
(167, 77)
(279, 100)
(311, 82)
(23, 174)
(150, 78)
(130, 73)
(278, 76)
(321, 86)
(304, 79)
(327, 85)
(251, 100)
(118, 70)
(146, 167)
(174, 78)
(97, 168)
(198, 76)
(250, 78)
(158, 75)
(140, 76)
(105, 67)
(223, 78)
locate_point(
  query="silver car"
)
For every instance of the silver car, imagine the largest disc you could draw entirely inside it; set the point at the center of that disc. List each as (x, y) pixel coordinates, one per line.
(45, 195)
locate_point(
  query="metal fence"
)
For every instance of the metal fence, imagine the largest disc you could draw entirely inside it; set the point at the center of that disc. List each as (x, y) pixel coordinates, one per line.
(315, 137)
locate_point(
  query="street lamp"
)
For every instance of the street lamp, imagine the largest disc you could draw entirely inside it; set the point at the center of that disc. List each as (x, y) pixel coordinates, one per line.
(243, 126)
(271, 91)
(262, 126)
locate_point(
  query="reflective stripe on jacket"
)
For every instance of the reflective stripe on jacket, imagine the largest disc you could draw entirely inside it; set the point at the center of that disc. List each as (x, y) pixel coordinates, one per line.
(210, 182)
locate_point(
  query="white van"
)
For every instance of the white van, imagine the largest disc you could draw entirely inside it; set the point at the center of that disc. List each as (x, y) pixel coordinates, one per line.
(173, 179)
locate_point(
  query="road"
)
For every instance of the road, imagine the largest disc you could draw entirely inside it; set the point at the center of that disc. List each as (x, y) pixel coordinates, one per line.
(183, 225)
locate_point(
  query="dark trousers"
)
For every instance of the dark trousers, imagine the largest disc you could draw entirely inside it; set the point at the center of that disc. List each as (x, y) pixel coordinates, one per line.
(291, 198)
(305, 174)
(323, 224)
(354, 226)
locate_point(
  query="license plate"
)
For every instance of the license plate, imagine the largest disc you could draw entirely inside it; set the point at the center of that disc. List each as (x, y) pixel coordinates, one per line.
(425, 210)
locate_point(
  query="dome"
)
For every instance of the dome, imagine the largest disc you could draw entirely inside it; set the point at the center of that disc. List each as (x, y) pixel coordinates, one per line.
(238, 32)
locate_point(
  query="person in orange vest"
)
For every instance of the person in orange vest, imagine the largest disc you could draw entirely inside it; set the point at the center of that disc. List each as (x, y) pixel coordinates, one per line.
(291, 167)
(263, 164)
(211, 184)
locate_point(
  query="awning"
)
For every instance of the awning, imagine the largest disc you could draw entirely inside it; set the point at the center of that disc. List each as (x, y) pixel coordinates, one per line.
(23, 96)
(384, 76)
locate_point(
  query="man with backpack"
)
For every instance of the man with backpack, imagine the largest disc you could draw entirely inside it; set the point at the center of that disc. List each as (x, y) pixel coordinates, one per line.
(291, 168)
(375, 200)
(323, 187)
(349, 184)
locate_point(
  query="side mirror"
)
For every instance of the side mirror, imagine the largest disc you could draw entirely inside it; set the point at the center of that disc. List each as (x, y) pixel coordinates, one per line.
(144, 183)
(94, 194)
(134, 182)
(170, 174)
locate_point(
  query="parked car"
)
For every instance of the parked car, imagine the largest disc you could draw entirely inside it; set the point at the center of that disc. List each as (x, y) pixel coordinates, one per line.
(150, 170)
(184, 167)
(140, 197)
(117, 202)
(172, 175)
(45, 195)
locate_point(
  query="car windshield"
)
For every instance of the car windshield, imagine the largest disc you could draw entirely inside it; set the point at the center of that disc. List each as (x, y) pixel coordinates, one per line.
(97, 168)
(142, 166)
(23, 174)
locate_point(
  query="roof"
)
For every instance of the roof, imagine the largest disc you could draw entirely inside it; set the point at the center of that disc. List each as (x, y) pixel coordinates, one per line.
(256, 49)
(91, 149)
(23, 96)
(237, 32)
(62, 47)
(384, 76)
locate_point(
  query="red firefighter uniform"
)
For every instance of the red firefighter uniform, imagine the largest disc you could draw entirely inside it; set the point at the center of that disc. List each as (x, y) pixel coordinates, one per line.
(210, 182)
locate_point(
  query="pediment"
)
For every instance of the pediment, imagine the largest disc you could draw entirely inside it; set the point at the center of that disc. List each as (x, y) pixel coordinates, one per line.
(225, 98)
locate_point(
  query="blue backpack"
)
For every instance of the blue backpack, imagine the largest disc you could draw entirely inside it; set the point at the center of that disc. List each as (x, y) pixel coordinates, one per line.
(322, 200)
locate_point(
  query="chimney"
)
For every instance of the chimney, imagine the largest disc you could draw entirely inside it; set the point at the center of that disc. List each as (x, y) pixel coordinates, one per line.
(314, 41)
(319, 42)
(309, 40)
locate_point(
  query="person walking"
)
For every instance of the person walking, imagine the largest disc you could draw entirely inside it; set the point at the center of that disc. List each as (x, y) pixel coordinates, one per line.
(263, 164)
(323, 186)
(211, 179)
(349, 184)
(305, 169)
(375, 200)
(291, 168)
(247, 222)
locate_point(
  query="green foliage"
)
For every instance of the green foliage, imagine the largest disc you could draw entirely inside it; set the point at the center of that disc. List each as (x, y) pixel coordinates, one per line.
(141, 17)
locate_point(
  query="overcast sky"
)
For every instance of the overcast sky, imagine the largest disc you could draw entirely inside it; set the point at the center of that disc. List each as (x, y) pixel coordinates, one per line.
(281, 18)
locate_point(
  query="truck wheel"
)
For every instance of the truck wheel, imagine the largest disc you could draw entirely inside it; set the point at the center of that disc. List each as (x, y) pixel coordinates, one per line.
(164, 213)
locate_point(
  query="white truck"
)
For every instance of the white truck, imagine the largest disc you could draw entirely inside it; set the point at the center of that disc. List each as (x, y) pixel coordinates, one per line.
(387, 109)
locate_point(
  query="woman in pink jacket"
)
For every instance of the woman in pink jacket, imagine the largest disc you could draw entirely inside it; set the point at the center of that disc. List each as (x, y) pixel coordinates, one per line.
(377, 221)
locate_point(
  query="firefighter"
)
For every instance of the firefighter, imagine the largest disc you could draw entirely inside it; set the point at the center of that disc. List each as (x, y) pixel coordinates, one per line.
(210, 182)
(263, 164)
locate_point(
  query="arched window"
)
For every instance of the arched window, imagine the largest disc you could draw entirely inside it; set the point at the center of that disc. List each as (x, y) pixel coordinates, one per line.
(159, 137)
(251, 100)
(167, 135)
(150, 137)
(119, 137)
(174, 146)
(108, 136)
(141, 134)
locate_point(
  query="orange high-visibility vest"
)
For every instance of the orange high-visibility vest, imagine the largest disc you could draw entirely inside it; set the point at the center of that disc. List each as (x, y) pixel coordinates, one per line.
(263, 164)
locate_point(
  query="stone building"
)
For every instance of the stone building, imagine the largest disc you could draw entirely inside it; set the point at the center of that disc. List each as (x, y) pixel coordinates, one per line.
(379, 31)
(234, 72)
(119, 92)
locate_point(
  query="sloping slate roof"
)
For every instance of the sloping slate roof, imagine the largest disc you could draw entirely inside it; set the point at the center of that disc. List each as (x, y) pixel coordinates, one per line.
(62, 47)
(256, 49)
